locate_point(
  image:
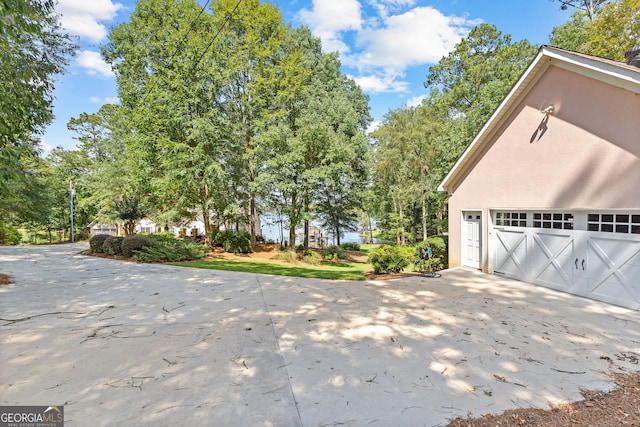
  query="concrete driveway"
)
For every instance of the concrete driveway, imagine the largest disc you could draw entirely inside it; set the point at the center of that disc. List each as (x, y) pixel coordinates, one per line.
(131, 344)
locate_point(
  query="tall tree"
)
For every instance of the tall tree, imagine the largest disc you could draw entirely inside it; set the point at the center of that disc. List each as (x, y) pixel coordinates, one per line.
(33, 50)
(314, 141)
(170, 82)
(614, 29)
(588, 7)
(471, 81)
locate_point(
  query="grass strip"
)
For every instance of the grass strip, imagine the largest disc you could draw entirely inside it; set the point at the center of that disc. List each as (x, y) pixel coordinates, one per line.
(332, 271)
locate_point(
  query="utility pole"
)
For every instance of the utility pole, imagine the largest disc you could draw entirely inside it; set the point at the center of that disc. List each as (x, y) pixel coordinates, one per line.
(72, 193)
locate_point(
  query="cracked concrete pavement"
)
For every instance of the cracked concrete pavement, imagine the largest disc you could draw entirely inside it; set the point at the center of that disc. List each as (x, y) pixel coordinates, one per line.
(128, 344)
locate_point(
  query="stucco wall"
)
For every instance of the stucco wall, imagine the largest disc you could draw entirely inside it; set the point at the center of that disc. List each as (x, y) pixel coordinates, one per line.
(587, 155)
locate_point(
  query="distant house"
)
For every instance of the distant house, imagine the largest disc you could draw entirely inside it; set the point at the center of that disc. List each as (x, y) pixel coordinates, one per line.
(549, 190)
(193, 228)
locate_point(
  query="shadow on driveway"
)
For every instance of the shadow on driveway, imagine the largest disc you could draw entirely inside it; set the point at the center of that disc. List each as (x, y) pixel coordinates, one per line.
(135, 344)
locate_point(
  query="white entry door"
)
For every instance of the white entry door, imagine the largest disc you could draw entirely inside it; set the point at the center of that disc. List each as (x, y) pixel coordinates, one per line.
(472, 239)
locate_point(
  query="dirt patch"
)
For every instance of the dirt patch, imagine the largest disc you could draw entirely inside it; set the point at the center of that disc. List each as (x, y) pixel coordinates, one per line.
(5, 279)
(619, 407)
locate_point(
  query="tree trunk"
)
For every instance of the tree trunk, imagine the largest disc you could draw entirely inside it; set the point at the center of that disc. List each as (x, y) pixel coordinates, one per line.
(206, 215)
(293, 222)
(252, 203)
(306, 221)
(424, 216)
(401, 225)
(439, 216)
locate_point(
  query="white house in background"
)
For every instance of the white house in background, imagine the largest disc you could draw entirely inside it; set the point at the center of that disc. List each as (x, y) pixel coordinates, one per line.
(193, 228)
(549, 190)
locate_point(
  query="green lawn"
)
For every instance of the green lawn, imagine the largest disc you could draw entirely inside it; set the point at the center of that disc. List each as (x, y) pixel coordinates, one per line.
(327, 270)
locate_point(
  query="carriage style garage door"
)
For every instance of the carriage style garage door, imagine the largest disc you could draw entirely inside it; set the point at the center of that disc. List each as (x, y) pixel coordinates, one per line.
(591, 254)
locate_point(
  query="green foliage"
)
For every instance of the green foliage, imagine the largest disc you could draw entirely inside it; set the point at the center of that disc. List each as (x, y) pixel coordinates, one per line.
(33, 50)
(133, 244)
(169, 249)
(287, 255)
(112, 245)
(130, 211)
(218, 237)
(96, 242)
(350, 246)
(608, 31)
(311, 257)
(334, 252)
(230, 241)
(389, 259)
(9, 235)
(238, 243)
(426, 262)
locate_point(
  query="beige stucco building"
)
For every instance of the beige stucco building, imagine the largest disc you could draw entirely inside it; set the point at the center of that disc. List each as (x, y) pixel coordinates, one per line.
(549, 190)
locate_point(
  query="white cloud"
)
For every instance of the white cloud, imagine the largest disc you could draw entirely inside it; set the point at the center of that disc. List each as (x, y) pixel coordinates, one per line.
(46, 148)
(422, 35)
(333, 15)
(381, 83)
(82, 17)
(94, 64)
(415, 101)
(329, 18)
(373, 126)
(107, 100)
(382, 45)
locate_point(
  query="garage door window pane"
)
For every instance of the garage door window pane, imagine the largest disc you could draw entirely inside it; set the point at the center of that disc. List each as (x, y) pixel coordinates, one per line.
(619, 223)
(556, 220)
(511, 219)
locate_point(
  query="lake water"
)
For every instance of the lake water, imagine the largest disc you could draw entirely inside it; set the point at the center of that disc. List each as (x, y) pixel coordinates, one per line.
(272, 230)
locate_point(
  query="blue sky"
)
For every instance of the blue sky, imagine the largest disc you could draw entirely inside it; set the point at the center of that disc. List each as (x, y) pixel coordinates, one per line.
(386, 46)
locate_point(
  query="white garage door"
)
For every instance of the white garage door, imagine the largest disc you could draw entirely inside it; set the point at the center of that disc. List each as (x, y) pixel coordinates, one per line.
(602, 264)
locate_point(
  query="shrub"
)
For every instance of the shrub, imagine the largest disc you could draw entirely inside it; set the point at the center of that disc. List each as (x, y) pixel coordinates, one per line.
(311, 257)
(334, 252)
(287, 255)
(238, 243)
(9, 235)
(389, 259)
(350, 247)
(132, 244)
(96, 242)
(112, 245)
(218, 237)
(169, 249)
(430, 255)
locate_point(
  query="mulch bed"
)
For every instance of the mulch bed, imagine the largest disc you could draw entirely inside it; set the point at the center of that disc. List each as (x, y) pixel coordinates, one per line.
(619, 407)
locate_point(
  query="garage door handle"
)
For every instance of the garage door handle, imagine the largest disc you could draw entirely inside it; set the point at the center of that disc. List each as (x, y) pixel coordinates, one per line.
(583, 264)
(576, 263)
